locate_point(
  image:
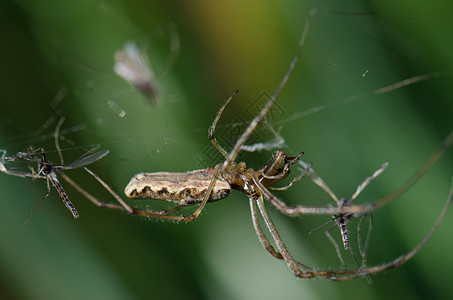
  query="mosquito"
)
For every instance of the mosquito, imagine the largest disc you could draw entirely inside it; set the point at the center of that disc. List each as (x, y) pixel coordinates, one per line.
(342, 220)
(49, 171)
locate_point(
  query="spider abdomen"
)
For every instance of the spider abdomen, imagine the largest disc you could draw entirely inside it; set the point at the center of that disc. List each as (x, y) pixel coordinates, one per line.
(181, 188)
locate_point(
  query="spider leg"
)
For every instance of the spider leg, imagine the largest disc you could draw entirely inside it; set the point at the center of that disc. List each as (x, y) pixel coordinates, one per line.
(292, 211)
(298, 269)
(258, 119)
(173, 209)
(214, 124)
(110, 190)
(277, 177)
(259, 231)
(88, 195)
(266, 244)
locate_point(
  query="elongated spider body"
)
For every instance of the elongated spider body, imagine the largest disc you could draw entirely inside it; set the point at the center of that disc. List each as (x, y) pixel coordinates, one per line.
(191, 187)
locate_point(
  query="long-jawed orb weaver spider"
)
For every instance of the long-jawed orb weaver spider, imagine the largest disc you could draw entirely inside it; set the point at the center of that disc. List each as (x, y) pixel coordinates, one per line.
(202, 186)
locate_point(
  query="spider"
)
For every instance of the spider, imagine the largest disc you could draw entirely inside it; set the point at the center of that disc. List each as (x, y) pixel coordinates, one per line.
(207, 185)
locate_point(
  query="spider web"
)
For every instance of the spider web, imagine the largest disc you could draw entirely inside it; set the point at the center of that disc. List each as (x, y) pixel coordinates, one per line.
(367, 89)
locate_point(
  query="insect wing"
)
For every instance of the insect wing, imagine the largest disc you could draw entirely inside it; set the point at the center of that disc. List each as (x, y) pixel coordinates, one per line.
(83, 161)
(132, 65)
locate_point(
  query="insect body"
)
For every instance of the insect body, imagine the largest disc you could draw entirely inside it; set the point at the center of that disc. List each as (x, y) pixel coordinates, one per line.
(342, 223)
(47, 169)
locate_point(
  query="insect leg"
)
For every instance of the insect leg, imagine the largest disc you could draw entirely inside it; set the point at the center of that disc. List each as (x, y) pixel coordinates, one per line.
(334, 243)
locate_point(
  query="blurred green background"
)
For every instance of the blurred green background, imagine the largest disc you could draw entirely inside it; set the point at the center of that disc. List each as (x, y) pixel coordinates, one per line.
(50, 46)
